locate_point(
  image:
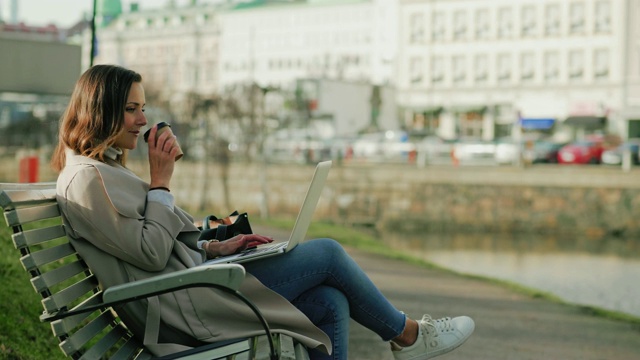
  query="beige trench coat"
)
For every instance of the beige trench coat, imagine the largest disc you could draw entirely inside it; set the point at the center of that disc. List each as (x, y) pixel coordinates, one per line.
(124, 238)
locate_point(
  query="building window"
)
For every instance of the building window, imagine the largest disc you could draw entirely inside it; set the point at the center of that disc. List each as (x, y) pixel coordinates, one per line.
(551, 66)
(603, 17)
(437, 70)
(438, 24)
(460, 25)
(471, 124)
(527, 67)
(552, 20)
(576, 65)
(577, 18)
(504, 68)
(415, 75)
(528, 21)
(459, 69)
(482, 24)
(505, 22)
(417, 29)
(601, 64)
(424, 122)
(481, 65)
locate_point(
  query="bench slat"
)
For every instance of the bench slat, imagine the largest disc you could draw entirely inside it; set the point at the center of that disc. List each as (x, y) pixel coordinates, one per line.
(37, 236)
(22, 216)
(78, 339)
(130, 350)
(53, 277)
(64, 326)
(100, 349)
(71, 294)
(38, 258)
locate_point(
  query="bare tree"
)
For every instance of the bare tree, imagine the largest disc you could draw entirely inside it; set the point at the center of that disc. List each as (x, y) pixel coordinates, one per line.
(204, 114)
(240, 107)
(214, 121)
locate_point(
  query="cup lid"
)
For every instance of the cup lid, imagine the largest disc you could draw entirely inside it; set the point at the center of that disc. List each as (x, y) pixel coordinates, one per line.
(160, 125)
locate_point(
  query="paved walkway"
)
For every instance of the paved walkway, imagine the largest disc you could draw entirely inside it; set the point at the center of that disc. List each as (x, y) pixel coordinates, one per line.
(509, 326)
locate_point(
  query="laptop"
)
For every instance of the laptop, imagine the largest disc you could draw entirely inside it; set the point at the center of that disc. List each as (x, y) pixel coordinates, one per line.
(299, 229)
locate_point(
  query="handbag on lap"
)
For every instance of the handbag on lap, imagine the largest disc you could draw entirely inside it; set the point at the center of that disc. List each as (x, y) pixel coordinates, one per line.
(214, 228)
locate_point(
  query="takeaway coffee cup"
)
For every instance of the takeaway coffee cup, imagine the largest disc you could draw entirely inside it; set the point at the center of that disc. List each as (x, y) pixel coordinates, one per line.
(162, 127)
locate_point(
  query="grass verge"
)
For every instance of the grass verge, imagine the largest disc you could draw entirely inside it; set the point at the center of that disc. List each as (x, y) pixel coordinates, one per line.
(22, 335)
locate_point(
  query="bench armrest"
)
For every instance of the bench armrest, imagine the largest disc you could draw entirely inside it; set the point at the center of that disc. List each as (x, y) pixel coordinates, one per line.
(226, 275)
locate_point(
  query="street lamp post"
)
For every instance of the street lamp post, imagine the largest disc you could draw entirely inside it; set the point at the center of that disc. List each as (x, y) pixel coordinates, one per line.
(93, 33)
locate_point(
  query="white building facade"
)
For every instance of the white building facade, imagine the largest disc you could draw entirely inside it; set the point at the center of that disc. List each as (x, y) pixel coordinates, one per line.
(210, 48)
(175, 48)
(487, 68)
(204, 48)
(273, 45)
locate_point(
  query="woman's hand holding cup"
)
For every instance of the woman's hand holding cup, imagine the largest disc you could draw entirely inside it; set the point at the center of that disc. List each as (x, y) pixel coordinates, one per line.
(163, 153)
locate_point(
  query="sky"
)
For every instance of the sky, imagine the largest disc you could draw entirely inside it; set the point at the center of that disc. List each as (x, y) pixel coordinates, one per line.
(62, 13)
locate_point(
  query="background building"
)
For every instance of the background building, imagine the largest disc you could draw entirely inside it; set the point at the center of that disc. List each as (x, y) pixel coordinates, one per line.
(275, 43)
(488, 68)
(174, 48)
(455, 69)
(227, 48)
(38, 70)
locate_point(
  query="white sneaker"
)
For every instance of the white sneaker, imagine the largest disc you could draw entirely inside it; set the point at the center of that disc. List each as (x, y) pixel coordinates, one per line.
(436, 337)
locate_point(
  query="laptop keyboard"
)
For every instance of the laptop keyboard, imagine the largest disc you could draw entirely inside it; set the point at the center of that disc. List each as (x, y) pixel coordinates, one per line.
(265, 248)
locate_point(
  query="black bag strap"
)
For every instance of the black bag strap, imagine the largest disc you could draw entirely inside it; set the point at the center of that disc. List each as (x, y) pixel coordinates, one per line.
(207, 219)
(221, 232)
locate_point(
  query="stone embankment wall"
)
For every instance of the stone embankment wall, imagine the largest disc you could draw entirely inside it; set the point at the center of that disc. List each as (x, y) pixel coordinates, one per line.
(591, 201)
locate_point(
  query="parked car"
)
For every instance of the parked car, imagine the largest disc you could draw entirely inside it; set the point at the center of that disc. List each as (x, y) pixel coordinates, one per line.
(475, 151)
(387, 146)
(295, 146)
(586, 151)
(546, 151)
(507, 151)
(614, 156)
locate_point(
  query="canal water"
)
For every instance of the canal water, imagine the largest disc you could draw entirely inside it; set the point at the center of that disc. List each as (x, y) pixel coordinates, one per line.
(603, 273)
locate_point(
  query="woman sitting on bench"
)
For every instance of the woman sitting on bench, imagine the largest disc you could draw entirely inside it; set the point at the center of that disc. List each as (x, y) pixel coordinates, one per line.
(127, 229)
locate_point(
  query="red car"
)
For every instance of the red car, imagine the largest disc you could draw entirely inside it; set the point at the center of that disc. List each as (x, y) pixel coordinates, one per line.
(587, 151)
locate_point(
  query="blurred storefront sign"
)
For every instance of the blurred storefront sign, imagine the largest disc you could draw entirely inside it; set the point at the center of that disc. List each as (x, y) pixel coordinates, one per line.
(586, 121)
(537, 123)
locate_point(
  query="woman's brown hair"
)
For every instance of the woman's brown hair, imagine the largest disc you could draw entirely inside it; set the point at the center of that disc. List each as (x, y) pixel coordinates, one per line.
(95, 114)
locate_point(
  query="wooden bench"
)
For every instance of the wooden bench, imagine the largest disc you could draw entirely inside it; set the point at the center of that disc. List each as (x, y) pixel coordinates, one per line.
(80, 313)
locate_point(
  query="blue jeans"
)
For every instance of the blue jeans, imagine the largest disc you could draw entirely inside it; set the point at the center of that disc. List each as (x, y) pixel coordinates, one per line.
(329, 287)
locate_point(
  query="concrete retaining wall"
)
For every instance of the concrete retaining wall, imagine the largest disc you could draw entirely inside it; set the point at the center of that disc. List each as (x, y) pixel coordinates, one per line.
(591, 201)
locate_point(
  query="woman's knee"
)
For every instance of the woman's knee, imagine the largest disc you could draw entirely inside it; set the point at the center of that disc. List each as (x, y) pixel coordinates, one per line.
(326, 247)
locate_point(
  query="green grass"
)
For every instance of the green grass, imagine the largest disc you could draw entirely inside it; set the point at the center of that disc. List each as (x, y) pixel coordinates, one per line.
(22, 335)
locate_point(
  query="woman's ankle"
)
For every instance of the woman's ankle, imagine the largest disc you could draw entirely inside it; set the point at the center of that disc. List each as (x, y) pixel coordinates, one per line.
(409, 335)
